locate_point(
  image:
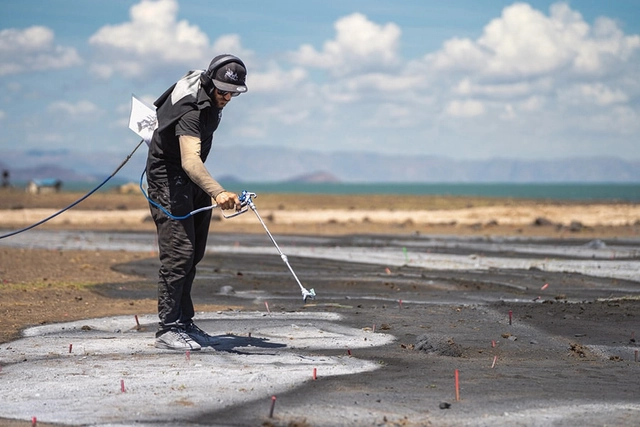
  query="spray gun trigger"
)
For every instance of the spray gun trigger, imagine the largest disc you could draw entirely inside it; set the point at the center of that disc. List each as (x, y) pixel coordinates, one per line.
(246, 196)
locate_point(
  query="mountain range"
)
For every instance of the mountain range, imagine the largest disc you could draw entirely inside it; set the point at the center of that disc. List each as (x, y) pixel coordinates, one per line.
(270, 164)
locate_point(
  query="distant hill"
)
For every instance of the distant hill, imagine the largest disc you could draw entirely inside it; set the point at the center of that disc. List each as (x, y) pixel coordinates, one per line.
(271, 164)
(230, 179)
(314, 177)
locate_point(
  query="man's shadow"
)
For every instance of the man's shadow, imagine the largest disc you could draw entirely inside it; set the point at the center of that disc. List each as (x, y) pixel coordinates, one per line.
(225, 342)
(230, 343)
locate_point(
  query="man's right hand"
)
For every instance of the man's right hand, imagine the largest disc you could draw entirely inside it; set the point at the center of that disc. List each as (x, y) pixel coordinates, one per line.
(228, 200)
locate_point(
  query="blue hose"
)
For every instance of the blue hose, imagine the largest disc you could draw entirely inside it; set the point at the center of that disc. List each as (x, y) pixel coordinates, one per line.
(166, 212)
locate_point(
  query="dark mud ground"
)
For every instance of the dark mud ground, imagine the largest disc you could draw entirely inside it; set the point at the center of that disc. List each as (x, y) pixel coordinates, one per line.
(566, 357)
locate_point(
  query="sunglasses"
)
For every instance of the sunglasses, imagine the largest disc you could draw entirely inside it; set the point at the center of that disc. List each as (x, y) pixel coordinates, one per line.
(224, 93)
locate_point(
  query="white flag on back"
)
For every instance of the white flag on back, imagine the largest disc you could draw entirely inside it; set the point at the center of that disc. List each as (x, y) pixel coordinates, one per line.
(143, 120)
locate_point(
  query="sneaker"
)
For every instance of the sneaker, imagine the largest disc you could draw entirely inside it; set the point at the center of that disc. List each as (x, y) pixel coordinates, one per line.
(200, 336)
(176, 339)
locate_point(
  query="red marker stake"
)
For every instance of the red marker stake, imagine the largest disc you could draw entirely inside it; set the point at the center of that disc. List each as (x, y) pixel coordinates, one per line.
(510, 316)
(349, 352)
(400, 303)
(273, 405)
(122, 389)
(34, 421)
(137, 321)
(188, 355)
(70, 347)
(546, 285)
(266, 304)
(493, 343)
(494, 361)
(457, 385)
(314, 373)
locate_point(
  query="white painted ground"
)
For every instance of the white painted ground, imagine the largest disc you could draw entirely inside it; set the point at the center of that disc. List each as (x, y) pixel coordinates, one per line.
(73, 373)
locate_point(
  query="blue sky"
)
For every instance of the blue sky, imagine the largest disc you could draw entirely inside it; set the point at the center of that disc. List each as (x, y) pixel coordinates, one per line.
(461, 79)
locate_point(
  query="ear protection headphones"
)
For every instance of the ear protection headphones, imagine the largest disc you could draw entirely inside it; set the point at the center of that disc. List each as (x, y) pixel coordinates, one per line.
(206, 78)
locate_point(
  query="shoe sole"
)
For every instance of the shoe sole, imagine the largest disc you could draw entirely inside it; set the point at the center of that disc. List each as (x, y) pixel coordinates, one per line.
(206, 343)
(169, 347)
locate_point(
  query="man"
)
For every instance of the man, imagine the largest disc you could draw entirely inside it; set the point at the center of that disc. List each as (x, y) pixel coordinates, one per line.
(5, 179)
(188, 114)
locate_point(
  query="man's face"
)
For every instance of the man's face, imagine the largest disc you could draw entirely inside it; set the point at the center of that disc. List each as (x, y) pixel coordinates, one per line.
(221, 100)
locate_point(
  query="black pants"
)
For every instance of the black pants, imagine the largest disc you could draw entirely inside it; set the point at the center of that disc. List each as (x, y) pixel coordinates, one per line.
(181, 245)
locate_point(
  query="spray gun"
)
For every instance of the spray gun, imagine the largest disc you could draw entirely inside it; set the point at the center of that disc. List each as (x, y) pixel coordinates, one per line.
(246, 203)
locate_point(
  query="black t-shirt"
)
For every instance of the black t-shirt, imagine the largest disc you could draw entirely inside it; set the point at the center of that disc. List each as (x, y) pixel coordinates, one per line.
(201, 121)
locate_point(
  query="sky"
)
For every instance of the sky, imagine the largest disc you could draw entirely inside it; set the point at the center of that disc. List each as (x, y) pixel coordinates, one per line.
(460, 79)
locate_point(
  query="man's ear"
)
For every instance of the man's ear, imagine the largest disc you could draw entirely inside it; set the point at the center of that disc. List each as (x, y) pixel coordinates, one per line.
(207, 85)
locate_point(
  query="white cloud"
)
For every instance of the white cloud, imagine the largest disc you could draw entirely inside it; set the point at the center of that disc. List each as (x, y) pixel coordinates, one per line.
(532, 103)
(522, 63)
(231, 43)
(619, 120)
(392, 115)
(288, 114)
(33, 49)
(507, 90)
(155, 37)
(524, 42)
(596, 93)
(38, 138)
(251, 132)
(508, 113)
(466, 108)
(78, 111)
(458, 55)
(395, 83)
(359, 45)
(275, 79)
(537, 73)
(606, 49)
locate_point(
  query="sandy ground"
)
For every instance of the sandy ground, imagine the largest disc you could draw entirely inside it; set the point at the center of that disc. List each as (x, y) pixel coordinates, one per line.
(438, 277)
(345, 214)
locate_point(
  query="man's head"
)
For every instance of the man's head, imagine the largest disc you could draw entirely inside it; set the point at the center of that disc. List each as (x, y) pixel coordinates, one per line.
(224, 78)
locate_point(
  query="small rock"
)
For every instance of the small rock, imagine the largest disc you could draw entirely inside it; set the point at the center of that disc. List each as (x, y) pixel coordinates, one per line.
(227, 290)
(596, 244)
(575, 226)
(541, 221)
(445, 405)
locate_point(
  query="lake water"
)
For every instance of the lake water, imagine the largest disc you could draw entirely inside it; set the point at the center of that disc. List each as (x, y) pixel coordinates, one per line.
(627, 192)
